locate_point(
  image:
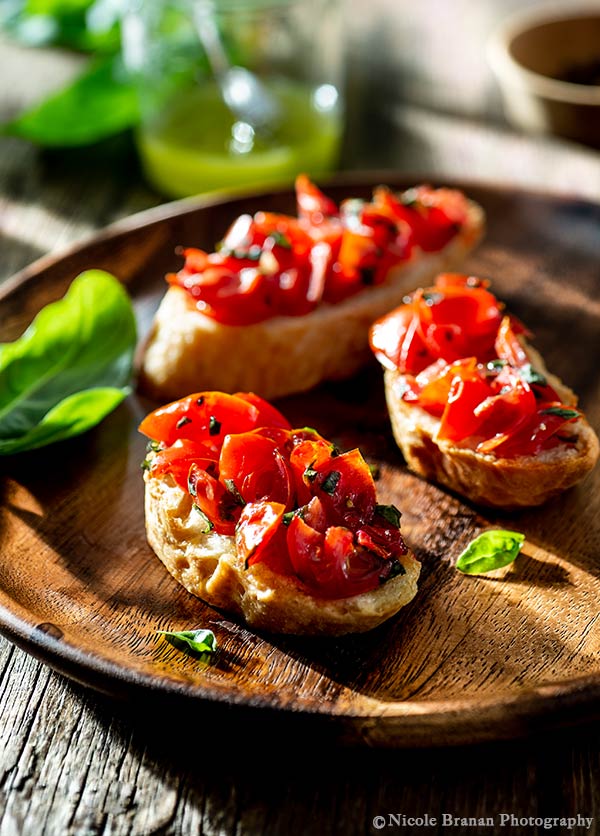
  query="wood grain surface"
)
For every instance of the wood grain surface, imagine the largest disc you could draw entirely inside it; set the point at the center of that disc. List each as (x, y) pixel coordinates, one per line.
(470, 659)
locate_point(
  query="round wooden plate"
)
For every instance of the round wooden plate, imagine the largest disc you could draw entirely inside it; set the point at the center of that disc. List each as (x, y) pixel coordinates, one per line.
(471, 658)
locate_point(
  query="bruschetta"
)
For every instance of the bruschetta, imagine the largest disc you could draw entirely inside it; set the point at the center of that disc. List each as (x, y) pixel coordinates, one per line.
(286, 302)
(471, 403)
(269, 522)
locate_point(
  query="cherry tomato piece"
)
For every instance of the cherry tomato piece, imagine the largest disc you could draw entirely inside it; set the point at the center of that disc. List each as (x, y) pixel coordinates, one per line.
(218, 504)
(345, 486)
(267, 416)
(257, 525)
(204, 416)
(178, 459)
(254, 466)
(313, 205)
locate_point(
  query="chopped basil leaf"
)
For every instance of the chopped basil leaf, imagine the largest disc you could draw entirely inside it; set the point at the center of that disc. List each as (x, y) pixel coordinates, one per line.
(153, 447)
(496, 365)
(146, 464)
(396, 570)
(530, 375)
(182, 422)
(561, 411)
(281, 240)
(192, 642)
(289, 515)
(330, 482)
(310, 473)
(230, 485)
(389, 513)
(491, 550)
(208, 526)
(214, 426)
(334, 451)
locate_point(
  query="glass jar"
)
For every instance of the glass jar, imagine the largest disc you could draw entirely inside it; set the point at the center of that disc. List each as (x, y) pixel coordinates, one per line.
(235, 93)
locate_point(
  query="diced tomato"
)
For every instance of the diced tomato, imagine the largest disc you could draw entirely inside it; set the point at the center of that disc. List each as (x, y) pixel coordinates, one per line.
(345, 486)
(305, 457)
(313, 205)
(508, 346)
(274, 553)
(256, 468)
(503, 414)
(332, 565)
(257, 525)
(459, 420)
(267, 416)
(540, 431)
(178, 459)
(433, 215)
(218, 504)
(384, 540)
(397, 342)
(435, 382)
(205, 416)
(450, 322)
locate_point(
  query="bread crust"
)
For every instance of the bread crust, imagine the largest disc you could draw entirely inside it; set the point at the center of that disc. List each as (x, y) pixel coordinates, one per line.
(187, 351)
(519, 482)
(208, 566)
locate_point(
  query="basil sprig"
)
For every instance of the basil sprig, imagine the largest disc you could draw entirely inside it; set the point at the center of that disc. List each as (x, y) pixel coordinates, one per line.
(70, 368)
(195, 643)
(491, 550)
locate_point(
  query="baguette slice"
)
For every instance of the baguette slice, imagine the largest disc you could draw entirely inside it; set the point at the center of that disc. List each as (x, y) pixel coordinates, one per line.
(187, 351)
(208, 566)
(507, 483)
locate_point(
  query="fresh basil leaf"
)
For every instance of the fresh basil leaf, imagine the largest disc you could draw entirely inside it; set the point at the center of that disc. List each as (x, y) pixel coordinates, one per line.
(561, 411)
(192, 642)
(531, 375)
(491, 550)
(98, 104)
(76, 355)
(389, 513)
(74, 415)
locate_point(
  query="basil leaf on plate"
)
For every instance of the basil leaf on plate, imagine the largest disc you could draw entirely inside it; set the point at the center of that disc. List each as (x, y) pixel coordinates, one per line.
(99, 103)
(192, 642)
(491, 550)
(72, 416)
(70, 368)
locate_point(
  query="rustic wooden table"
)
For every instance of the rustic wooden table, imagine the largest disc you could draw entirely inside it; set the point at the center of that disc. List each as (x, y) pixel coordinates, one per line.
(73, 761)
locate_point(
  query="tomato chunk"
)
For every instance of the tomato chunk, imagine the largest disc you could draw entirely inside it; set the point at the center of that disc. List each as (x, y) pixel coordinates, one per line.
(204, 416)
(257, 525)
(254, 467)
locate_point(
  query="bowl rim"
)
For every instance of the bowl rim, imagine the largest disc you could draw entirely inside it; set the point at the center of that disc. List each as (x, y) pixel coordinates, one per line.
(510, 71)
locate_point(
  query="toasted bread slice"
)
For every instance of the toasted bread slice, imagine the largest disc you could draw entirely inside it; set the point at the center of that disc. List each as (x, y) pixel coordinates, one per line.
(188, 351)
(506, 483)
(208, 566)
